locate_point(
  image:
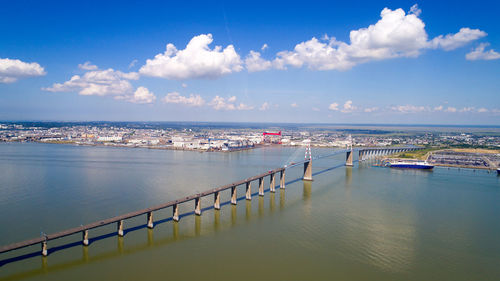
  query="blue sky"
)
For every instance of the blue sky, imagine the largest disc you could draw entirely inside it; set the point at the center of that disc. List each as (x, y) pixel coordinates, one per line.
(325, 62)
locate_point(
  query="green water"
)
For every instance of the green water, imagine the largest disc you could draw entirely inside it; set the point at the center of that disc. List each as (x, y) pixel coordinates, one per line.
(360, 223)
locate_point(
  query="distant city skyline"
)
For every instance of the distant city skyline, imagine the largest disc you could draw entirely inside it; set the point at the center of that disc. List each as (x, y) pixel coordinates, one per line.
(406, 63)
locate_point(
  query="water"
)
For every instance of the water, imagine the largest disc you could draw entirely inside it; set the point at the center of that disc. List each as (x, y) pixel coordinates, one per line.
(361, 223)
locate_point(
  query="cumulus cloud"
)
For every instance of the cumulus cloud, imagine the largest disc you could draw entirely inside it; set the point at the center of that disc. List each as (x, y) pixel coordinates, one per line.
(132, 64)
(87, 66)
(254, 62)
(264, 106)
(184, 85)
(453, 41)
(409, 108)
(107, 82)
(482, 110)
(197, 60)
(334, 106)
(480, 54)
(451, 109)
(176, 98)
(264, 47)
(415, 10)
(370, 109)
(142, 95)
(220, 103)
(12, 69)
(396, 34)
(438, 108)
(348, 107)
(294, 105)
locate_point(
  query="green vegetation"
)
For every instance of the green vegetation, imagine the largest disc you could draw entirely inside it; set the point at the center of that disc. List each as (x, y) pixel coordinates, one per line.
(418, 154)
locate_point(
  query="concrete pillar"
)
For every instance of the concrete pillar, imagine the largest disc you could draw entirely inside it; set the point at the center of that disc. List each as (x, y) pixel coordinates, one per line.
(175, 212)
(261, 187)
(150, 219)
(272, 182)
(308, 171)
(360, 155)
(85, 237)
(217, 200)
(348, 158)
(197, 206)
(233, 195)
(248, 194)
(282, 179)
(120, 228)
(45, 252)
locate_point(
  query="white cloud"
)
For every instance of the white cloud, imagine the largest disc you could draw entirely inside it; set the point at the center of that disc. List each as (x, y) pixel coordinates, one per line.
(132, 64)
(315, 109)
(453, 41)
(176, 98)
(220, 103)
(482, 110)
(415, 10)
(87, 66)
(371, 109)
(243, 106)
(294, 105)
(438, 108)
(348, 107)
(12, 69)
(451, 109)
(396, 34)
(184, 85)
(100, 83)
(254, 62)
(264, 47)
(264, 106)
(142, 95)
(468, 109)
(479, 53)
(409, 108)
(197, 60)
(334, 106)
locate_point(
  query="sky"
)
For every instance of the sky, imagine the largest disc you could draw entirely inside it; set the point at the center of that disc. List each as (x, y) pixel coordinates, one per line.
(401, 62)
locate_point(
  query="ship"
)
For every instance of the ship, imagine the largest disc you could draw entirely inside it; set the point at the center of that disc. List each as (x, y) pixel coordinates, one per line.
(410, 165)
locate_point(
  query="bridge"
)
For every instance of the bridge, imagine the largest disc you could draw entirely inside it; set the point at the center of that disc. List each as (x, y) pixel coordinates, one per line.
(364, 153)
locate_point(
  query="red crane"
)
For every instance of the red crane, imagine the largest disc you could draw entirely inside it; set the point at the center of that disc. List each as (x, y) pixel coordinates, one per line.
(272, 134)
(264, 134)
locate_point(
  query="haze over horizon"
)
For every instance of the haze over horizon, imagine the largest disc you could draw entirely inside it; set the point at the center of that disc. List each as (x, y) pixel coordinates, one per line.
(335, 63)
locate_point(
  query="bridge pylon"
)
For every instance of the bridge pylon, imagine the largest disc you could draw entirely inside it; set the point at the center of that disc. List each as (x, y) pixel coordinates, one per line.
(308, 163)
(349, 154)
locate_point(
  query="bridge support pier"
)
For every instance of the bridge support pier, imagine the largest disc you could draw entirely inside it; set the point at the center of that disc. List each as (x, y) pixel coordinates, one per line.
(85, 237)
(150, 219)
(308, 171)
(217, 201)
(348, 159)
(197, 206)
(272, 182)
(45, 252)
(233, 195)
(248, 194)
(119, 228)
(282, 179)
(175, 212)
(261, 186)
